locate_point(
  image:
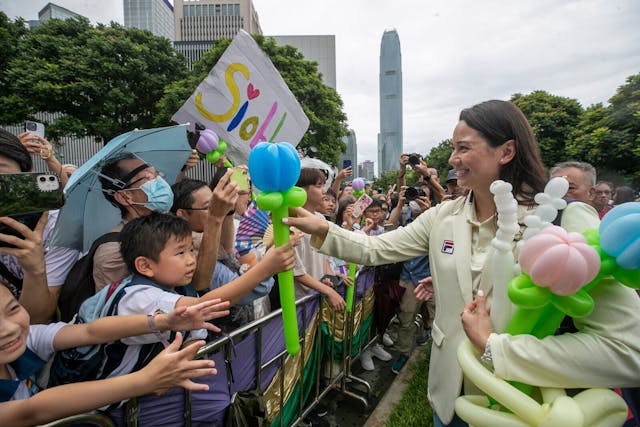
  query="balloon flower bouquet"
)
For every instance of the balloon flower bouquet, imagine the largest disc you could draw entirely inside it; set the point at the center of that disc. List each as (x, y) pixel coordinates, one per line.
(556, 274)
(274, 170)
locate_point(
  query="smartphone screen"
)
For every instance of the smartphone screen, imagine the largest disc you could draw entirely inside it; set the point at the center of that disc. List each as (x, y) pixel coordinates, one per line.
(241, 177)
(35, 128)
(30, 220)
(27, 192)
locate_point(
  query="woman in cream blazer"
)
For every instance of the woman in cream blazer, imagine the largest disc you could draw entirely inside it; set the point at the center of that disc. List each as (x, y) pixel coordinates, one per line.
(493, 140)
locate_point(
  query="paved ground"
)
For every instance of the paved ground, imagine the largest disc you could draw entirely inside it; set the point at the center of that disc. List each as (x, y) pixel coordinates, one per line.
(344, 411)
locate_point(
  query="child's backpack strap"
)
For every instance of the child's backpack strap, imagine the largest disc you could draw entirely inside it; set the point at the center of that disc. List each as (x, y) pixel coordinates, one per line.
(79, 284)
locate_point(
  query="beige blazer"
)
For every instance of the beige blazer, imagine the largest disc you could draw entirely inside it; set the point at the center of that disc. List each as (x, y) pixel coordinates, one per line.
(603, 355)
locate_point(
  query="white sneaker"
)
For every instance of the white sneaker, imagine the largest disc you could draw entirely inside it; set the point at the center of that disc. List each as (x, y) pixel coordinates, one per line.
(386, 340)
(367, 361)
(380, 353)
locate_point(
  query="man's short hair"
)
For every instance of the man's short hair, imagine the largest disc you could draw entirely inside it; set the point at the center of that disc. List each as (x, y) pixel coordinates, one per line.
(11, 147)
(148, 235)
(583, 166)
(114, 178)
(183, 193)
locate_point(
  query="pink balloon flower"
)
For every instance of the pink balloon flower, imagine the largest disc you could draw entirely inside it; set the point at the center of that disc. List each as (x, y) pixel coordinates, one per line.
(559, 260)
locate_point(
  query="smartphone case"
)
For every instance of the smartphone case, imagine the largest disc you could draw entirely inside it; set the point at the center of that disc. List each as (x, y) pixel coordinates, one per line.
(360, 205)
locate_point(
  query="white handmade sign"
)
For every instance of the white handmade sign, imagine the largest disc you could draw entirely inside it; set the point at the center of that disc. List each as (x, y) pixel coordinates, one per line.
(244, 100)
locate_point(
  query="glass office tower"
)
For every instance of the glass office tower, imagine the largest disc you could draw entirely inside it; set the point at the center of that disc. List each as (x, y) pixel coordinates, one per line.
(390, 136)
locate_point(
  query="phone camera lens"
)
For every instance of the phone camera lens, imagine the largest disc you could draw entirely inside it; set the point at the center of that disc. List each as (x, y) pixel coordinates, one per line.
(42, 179)
(52, 178)
(31, 126)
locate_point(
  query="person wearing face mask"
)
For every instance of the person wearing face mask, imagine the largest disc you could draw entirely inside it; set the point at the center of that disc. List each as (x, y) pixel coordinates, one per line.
(137, 189)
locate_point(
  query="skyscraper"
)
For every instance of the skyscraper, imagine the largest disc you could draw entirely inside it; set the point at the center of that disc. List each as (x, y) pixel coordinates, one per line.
(352, 153)
(390, 136)
(199, 22)
(321, 49)
(153, 15)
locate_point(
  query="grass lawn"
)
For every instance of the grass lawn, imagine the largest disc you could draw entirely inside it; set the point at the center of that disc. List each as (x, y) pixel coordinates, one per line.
(414, 410)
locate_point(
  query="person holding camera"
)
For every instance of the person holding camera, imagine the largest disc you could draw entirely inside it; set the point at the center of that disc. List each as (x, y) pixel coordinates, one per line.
(426, 174)
(38, 145)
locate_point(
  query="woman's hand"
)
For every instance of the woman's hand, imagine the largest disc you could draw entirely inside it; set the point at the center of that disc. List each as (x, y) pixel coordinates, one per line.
(307, 222)
(424, 290)
(476, 322)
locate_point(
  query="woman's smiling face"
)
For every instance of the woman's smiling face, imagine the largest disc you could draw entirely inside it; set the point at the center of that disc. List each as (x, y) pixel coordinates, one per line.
(476, 163)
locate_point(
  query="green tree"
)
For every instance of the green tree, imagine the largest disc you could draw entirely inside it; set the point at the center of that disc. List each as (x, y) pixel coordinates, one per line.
(590, 136)
(10, 35)
(438, 158)
(102, 81)
(624, 122)
(320, 103)
(609, 137)
(553, 119)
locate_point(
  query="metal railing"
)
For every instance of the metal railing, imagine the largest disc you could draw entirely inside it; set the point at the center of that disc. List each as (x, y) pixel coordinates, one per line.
(291, 387)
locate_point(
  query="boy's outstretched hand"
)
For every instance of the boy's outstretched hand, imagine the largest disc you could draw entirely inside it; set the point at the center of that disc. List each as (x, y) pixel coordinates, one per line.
(174, 367)
(195, 316)
(281, 258)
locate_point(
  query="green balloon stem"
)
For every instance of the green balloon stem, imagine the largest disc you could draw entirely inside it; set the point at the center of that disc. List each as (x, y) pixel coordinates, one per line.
(286, 286)
(548, 323)
(524, 320)
(350, 289)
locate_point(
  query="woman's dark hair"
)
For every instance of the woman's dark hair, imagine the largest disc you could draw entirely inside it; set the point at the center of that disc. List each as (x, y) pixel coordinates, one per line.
(342, 205)
(501, 121)
(11, 147)
(148, 235)
(310, 176)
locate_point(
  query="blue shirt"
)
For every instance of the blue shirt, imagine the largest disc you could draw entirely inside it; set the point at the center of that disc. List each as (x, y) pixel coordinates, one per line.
(415, 269)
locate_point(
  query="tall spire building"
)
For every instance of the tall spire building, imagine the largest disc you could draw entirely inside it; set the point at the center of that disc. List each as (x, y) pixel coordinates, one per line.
(390, 136)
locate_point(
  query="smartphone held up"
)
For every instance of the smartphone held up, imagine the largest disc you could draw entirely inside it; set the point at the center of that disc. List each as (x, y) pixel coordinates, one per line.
(25, 196)
(34, 128)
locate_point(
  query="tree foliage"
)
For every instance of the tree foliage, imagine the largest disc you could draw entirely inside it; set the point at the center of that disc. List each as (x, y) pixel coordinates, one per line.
(10, 35)
(320, 103)
(103, 81)
(438, 158)
(553, 119)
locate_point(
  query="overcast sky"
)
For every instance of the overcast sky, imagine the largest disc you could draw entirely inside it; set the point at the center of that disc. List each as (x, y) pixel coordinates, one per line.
(454, 53)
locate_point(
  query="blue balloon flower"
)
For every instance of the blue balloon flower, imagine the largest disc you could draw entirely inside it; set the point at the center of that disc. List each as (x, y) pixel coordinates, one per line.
(274, 166)
(620, 235)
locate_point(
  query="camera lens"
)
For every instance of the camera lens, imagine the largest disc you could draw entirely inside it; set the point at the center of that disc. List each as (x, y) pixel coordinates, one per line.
(411, 193)
(414, 159)
(42, 179)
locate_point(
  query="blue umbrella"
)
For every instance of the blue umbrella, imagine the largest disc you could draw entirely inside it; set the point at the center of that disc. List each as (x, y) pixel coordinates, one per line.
(87, 214)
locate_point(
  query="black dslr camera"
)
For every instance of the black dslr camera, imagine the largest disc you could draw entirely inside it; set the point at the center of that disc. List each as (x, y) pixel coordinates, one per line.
(414, 159)
(412, 193)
